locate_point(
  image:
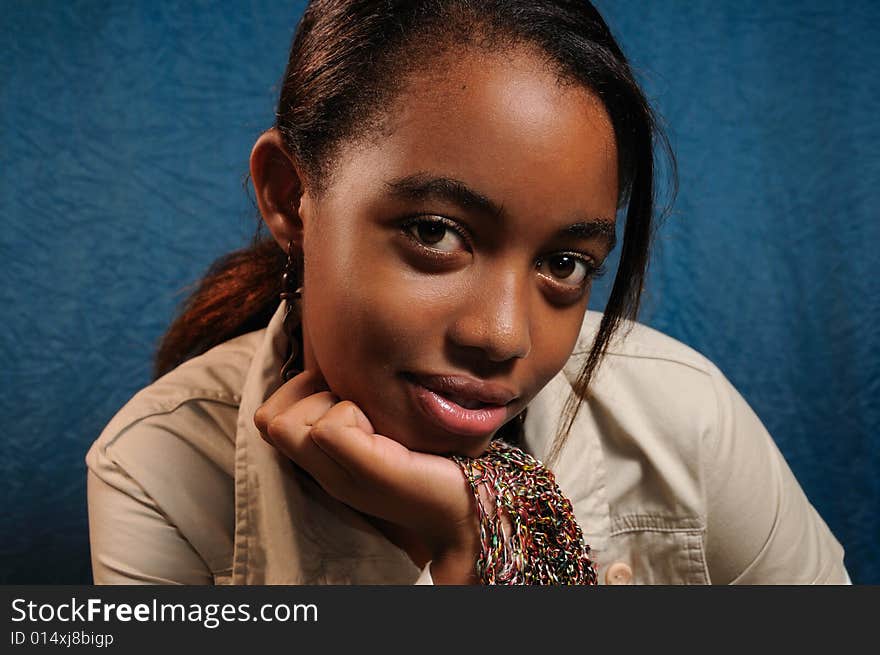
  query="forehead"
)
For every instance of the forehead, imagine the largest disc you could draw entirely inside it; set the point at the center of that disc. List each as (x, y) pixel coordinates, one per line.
(504, 124)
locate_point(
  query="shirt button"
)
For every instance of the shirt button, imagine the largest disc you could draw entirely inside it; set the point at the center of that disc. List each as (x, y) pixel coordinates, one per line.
(619, 573)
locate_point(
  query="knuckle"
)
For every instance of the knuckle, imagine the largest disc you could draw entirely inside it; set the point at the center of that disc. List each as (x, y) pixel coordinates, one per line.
(343, 413)
(321, 430)
(261, 418)
(319, 433)
(329, 414)
(275, 428)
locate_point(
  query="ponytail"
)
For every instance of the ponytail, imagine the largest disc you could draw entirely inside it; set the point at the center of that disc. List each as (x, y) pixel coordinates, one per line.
(237, 295)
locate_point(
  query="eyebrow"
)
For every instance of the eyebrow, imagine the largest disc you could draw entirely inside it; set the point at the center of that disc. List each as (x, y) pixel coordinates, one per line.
(594, 228)
(422, 186)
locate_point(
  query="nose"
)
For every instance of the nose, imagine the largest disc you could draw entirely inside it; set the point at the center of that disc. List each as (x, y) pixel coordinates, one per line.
(495, 317)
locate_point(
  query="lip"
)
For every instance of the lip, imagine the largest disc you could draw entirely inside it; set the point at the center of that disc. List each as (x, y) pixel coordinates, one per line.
(472, 389)
(430, 391)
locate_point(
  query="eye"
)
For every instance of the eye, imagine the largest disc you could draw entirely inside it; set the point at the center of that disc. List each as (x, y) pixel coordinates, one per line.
(569, 269)
(436, 233)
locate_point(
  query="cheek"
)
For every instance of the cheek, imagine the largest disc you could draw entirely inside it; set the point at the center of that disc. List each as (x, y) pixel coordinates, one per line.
(364, 313)
(553, 340)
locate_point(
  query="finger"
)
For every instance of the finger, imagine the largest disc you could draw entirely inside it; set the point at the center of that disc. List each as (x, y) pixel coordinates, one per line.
(289, 432)
(346, 434)
(345, 413)
(373, 460)
(304, 384)
(371, 481)
(388, 480)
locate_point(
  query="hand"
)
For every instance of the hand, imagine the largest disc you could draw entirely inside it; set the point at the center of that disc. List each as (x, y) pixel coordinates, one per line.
(334, 441)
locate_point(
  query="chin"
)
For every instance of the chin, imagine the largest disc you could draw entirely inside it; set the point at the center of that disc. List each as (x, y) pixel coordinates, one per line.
(451, 444)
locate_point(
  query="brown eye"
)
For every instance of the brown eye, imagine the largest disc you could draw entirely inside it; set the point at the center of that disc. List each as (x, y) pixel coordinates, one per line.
(436, 234)
(562, 266)
(431, 233)
(567, 270)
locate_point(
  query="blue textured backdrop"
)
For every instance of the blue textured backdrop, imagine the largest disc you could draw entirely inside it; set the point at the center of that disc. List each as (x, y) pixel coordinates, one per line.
(125, 135)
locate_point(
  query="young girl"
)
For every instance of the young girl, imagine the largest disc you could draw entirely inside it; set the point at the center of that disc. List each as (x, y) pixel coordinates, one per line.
(441, 186)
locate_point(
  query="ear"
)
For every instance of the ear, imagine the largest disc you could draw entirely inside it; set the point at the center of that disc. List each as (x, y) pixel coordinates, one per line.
(279, 188)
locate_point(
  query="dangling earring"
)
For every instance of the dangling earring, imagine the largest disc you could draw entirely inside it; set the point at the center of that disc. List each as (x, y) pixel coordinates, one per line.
(292, 294)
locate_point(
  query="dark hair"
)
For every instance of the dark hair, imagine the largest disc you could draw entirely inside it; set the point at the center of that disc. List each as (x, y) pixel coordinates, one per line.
(349, 59)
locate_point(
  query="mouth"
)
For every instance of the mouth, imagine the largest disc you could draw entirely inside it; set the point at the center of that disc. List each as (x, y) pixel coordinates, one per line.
(459, 405)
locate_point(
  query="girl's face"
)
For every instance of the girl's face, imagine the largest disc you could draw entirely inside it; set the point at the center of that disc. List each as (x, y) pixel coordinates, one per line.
(459, 243)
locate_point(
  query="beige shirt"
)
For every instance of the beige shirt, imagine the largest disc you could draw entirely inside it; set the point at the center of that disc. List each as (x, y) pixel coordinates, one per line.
(672, 478)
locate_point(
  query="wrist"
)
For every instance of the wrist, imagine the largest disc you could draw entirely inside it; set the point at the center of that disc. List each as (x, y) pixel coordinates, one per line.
(454, 562)
(455, 567)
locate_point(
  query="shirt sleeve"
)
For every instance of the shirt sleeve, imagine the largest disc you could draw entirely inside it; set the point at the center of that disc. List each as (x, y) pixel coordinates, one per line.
(132, 542)
(761, 528)
(161, 495)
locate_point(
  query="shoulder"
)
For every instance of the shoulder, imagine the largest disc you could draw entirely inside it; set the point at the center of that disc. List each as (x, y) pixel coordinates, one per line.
(638, 341)
(203, 392)
(649, 375)
(172, 445)
(696, 488)
(654, 408)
